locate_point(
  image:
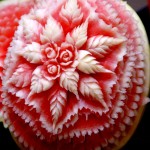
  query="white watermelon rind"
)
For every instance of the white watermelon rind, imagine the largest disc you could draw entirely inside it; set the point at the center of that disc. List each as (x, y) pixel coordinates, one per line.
(141, 27)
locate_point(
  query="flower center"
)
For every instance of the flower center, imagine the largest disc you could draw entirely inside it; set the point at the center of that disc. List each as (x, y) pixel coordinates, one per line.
(66, 56)
(52, 69)
(51, 53)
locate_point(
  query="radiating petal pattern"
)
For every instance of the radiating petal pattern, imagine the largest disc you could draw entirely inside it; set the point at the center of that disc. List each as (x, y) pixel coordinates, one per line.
(74, 75)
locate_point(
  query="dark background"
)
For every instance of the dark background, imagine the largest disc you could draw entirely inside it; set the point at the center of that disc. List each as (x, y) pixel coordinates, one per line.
(141, 138)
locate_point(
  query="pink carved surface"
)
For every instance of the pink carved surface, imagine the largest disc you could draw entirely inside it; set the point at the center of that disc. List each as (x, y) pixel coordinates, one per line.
(73, 75)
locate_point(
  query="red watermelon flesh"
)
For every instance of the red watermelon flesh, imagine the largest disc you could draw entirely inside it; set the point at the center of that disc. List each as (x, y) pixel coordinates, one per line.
(74, 74)
(10, 14)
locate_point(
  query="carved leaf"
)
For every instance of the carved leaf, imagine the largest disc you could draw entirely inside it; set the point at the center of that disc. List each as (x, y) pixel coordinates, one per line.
(32, 53)
(22, 76)
(57, 103)
(89, 87)
(31, 28)
(78, 37)
(71, 13)
(100, 45)
(88, 63)
(52, 32)
(69, 81)
(38, 82)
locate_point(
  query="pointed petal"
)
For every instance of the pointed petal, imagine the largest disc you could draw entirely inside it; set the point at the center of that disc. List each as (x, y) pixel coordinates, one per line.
(69, 81)
(78, 36)
(71, 13)
(39, 83)
(100, 45)
(89, 87)
(52, 32)
(88, 64)
(57, 103)
(21, 77)
(32, 53)
(31, 29)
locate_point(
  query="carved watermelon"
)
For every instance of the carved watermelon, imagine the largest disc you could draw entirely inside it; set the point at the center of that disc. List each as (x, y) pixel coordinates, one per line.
(10, 14)
(75, 76)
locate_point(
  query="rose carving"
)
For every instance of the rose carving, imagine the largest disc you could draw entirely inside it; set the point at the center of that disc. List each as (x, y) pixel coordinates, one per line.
(74, 75)
(50, 51)
(53, 68)
(67, 55)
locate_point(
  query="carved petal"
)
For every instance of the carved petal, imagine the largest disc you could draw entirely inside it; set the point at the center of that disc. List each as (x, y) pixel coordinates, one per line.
(22, 76)
(31, 29)
(38, 82)
(100, 45)
(69, 80)
(32, 53)
(88, 64)
(78, 36)
(57, 103)
(52, 32)
(71, 12)
(90, 87)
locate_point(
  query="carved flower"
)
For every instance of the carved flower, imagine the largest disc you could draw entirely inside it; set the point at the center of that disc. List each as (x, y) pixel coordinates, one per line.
(67, 55)
(50, 51)
(74, 73)
(53, 68)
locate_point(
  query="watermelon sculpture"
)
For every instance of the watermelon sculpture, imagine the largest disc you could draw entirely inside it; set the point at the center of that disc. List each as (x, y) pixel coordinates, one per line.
(74, 73)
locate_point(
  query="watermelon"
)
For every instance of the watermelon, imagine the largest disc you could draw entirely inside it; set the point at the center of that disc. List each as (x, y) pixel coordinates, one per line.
(74, 74)
(11, 12)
